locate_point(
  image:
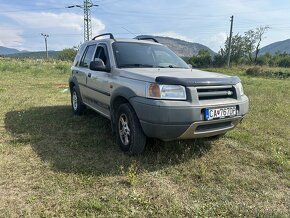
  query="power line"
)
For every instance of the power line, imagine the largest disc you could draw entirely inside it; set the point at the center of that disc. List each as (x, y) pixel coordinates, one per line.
(129, 32)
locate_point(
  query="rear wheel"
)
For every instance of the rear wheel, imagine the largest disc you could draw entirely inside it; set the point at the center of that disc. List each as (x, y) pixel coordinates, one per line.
(130, 136)
(77, 105)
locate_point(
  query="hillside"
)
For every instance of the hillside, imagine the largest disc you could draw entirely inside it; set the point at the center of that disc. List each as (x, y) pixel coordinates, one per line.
(182, 48)
(6, 51)
(281, 47)
(34, 55)
(15, 53)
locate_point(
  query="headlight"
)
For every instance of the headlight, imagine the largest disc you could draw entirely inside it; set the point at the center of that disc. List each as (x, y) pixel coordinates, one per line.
(240, 87)
(173, 92)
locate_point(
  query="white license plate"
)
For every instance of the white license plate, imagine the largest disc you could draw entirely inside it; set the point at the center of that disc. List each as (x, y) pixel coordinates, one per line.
(217, 113)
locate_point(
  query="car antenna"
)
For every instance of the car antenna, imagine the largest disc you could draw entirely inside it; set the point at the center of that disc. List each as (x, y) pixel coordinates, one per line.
(129, 31)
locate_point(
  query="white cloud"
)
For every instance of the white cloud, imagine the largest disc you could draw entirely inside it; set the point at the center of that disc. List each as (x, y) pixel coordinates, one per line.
(217, 41)
(60, 23)
(173, 34)
(63, 28)
(10, 37)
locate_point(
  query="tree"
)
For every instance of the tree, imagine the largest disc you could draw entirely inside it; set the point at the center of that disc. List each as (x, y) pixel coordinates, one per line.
(249, 44)
(237, 51)
(219, 60)
(252, 42)
(245, 48)
(202, 59)
(260, 31)
(67, 54)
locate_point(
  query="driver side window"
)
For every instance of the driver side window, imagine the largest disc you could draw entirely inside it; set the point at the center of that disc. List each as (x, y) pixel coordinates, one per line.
(102, 54)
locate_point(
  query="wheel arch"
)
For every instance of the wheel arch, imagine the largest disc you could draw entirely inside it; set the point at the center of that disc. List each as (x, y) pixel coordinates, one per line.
(120, 96)
(73, 82)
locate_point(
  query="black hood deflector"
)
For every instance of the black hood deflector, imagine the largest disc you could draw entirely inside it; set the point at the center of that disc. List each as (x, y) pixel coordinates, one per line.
(232, 80)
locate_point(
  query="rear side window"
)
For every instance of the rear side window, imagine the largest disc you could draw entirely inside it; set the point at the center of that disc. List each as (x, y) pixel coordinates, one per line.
(78, 56)
(87, 56)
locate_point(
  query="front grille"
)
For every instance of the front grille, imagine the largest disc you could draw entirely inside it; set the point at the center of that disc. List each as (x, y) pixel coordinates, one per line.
(215, 92)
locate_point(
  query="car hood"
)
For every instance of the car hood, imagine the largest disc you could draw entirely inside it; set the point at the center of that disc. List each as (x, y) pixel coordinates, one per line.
(177, 76)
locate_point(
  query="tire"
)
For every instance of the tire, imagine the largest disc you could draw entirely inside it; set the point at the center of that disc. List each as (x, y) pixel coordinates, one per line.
(76, 103)
(130, 136)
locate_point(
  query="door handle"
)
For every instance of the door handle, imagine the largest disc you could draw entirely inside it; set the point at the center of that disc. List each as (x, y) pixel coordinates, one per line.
(89, 75)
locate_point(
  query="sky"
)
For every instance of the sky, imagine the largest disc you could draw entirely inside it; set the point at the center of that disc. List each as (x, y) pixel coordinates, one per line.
(206, 22)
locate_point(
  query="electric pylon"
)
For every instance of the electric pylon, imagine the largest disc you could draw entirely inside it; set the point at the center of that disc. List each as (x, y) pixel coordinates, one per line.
(87, 18)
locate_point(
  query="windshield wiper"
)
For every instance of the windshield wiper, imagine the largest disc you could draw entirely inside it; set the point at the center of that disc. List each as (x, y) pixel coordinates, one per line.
(136, 65)
(169, 66)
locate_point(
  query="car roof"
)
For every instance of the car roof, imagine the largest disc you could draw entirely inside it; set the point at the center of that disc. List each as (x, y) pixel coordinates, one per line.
(122, 40)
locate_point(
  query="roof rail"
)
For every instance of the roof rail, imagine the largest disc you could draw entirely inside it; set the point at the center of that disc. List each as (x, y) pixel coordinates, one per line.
(147, 38)
(105, 34)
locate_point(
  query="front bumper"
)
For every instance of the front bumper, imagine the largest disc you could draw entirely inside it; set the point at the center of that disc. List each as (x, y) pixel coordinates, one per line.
(202, 129)
(169, 120)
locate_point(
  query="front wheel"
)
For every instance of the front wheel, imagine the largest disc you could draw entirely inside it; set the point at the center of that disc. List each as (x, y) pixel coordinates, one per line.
(130, 136)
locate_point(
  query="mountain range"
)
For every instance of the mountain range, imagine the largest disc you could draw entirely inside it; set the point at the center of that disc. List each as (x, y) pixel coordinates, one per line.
(7, 51)
(180, 47)
(280, 47)
(33, 55)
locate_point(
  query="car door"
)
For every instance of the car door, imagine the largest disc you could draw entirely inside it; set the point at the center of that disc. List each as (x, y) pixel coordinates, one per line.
(99, 81)
(83, 71)
(75, 68)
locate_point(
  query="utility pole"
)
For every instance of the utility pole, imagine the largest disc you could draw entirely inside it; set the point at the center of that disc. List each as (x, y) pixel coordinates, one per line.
(87, 18)
(230, 42)
(45, 40)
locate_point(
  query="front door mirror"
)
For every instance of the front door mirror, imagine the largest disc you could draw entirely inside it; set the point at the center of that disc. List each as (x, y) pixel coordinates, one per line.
(98, 65)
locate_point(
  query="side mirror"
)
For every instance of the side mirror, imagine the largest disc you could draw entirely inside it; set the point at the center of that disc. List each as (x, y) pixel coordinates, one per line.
(98, 65)
(190, 66)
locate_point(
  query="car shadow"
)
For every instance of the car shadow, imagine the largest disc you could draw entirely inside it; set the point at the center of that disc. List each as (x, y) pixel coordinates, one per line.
(85, 144)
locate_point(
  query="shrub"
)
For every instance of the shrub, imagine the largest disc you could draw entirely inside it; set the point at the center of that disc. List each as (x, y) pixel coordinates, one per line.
(219, 60)
(284, 61)
(254, 71)
(62, 67)
(264, 60)
(268, 72)
(67, 54)
(203, 59)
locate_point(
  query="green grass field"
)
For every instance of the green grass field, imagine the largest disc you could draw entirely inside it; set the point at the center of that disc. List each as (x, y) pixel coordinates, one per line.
(54, 164)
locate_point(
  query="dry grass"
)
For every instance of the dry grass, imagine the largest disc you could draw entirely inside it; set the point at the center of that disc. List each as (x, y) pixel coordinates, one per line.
(53, 164)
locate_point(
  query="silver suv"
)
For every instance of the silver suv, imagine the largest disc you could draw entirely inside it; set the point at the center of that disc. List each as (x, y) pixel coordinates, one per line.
(146, 90)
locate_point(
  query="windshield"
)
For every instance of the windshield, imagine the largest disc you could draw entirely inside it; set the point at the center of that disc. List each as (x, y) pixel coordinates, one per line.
(133, 54)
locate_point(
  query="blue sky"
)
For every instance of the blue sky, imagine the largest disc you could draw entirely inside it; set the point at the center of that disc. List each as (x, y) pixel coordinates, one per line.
(206, 22)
